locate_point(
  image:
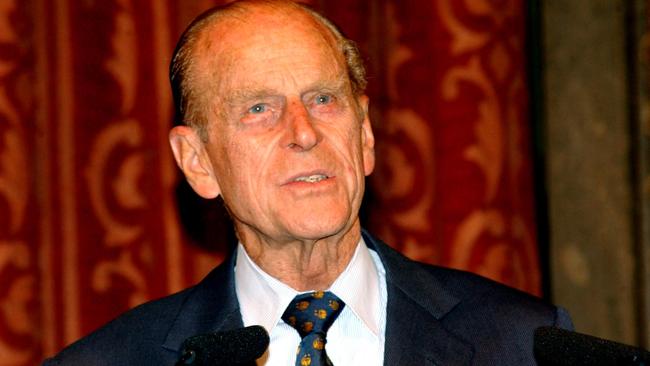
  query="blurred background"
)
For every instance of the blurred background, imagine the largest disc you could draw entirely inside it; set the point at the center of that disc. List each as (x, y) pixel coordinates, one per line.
(513, 141)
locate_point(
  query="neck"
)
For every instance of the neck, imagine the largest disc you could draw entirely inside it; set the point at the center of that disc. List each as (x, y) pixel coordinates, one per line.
(303, 264)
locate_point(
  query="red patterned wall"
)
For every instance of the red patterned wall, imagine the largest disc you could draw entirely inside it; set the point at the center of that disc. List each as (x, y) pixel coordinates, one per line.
(89, 224)
(454, 180)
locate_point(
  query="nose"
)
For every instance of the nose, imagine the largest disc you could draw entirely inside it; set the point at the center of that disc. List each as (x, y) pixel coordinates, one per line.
(301, 134)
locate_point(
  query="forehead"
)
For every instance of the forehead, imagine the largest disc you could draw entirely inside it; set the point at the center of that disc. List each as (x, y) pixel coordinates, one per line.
(267, 44)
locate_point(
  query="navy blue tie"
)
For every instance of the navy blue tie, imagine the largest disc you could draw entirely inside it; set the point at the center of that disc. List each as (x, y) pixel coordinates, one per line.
(312, 314)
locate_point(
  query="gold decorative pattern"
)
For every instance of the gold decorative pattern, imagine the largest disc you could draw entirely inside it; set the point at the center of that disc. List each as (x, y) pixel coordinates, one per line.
(488, 151)
(123, 65)
(125, 268)
(123, 132)
(509, 253)
(126, 132)
(174, 252)
(13, 166)
(16, 262)
(13, 308)
(409, 124)
(464, 39)
(399, 174)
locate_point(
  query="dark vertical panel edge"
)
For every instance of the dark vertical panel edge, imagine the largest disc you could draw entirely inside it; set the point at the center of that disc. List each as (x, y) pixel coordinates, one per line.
(534, 68)
(634, 26)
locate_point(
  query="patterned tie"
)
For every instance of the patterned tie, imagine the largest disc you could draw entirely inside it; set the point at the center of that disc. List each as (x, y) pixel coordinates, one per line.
(312, 314)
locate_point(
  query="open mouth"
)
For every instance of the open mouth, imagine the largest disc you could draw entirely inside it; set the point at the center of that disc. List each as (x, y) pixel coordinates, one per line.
(315, 178)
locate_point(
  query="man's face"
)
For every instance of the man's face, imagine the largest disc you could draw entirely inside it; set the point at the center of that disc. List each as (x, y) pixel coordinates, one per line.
(288, 142)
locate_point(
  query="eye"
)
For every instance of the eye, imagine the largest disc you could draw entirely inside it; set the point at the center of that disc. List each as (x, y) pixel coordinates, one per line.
(257, 109)
(323, 99)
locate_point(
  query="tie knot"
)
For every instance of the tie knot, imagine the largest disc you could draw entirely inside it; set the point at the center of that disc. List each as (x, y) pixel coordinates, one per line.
(313, 312)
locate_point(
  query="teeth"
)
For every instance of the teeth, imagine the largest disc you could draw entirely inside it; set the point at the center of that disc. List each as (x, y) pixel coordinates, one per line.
(312, 178)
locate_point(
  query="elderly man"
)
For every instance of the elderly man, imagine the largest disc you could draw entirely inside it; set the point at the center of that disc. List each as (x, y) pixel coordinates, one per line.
(275, 121)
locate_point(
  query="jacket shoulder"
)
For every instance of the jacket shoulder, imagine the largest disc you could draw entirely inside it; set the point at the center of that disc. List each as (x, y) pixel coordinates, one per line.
(477, 294)
(152, 333)
(134, 337)
(449, 291)
(485, 321)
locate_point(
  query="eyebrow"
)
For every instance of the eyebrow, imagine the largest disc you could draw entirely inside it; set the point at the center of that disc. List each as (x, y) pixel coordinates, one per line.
(245, 94)
(333, 85)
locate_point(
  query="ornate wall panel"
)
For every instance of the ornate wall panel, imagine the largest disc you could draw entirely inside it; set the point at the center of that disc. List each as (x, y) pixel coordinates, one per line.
(19, 285)
(454, 178)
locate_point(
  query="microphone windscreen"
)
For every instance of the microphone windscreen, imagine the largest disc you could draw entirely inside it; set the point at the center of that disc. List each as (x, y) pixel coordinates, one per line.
(238, 346)
(558, 347)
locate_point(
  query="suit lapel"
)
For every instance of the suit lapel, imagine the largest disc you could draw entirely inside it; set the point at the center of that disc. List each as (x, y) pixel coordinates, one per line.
(417, 303)
(415, 337)
(211, 306)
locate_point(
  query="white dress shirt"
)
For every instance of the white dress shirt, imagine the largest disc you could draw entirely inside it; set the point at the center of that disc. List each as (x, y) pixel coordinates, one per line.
(357, 335)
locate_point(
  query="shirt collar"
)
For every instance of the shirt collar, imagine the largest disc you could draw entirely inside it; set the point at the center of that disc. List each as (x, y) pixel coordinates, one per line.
(263, 298)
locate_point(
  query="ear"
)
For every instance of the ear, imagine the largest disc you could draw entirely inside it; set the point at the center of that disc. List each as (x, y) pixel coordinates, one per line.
(367, 137)
(192, 157)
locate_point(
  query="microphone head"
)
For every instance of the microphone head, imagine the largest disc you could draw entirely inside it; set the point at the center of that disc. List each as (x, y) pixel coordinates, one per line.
(555, 346)
(231, 347)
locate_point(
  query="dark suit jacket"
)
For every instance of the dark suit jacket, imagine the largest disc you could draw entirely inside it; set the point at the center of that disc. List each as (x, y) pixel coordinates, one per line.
(435, 316)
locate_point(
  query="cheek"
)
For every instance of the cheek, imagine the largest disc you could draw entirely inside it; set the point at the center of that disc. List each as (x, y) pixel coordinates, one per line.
(251, 165)
(348, 146)
(355, 147)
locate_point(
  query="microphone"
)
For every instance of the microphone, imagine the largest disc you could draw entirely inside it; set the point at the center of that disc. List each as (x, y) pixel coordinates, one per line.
(558, 347)
(231, 347)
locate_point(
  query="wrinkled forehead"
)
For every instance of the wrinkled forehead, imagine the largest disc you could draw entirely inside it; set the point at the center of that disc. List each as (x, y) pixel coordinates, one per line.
(244, 34)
